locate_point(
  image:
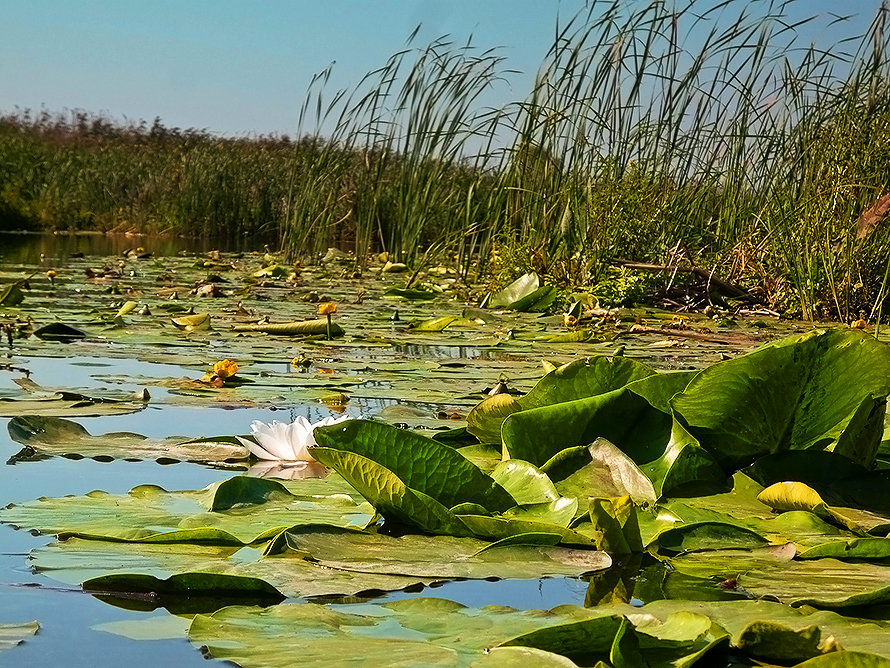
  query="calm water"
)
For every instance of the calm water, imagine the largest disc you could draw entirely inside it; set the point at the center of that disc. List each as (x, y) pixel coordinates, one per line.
(26, 248)
(68, 618)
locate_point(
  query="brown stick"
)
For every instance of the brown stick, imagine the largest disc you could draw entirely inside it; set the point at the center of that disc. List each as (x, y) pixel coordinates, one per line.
(724, 287)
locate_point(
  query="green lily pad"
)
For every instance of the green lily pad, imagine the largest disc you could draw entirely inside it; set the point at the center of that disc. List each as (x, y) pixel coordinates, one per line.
(524, 482)
(317, 327)
(56, 436)
(68, 404)
(599, 470)
(423, 555)
(12, 295)
(59, 331)
(657, 443)
(524, 294)
(238, 511)
(821, 583)
(422, 464)
(432, 324)
(576, 380)
(411, 632)
(796, 394)
(76, 560)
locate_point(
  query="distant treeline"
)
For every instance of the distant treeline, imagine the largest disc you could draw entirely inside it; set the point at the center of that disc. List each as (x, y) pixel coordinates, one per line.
(754, 155)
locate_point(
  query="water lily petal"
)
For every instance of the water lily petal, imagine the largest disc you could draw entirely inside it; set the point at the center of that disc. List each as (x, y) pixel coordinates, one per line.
(273, 438)
(256, 449)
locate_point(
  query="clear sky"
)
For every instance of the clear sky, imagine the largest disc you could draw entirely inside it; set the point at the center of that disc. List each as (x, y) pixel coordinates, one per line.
(239, 67)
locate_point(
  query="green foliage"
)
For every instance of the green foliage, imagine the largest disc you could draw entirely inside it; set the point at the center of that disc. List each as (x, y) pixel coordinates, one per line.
(624, 287)
(754, 156)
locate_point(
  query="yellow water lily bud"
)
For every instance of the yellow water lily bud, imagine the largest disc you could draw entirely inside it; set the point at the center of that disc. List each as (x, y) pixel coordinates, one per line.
(225, 368)
(327, 308)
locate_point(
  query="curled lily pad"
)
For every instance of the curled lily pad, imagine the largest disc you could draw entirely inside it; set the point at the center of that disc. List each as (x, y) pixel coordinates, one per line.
(422, 464)
(576, 380)
(59, 331)
(318, 327)
(524, 294)
(14, 634)
(11, 295)
(199, 322)
(823, 390)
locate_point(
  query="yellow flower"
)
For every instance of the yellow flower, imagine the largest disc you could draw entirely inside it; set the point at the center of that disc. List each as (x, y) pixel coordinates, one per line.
(859, 324)
(327, 308)
(225, 369)
(569, 320)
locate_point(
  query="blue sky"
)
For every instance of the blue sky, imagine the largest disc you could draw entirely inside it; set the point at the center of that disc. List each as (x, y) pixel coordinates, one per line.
(238, 67)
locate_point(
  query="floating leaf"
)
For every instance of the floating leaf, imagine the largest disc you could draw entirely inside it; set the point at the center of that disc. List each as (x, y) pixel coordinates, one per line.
(432, 325)
(524, 294)
(524, 482)
(576, 380)
(655, 442)
(316, 327)
(240, 510)
(14, 634)
(55, 436)
(199, 322)
(423, 555)
(59, 331)
(76, 560)
(12, 295)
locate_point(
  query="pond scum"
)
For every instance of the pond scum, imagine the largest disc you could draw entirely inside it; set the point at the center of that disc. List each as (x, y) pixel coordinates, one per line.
(754, 156)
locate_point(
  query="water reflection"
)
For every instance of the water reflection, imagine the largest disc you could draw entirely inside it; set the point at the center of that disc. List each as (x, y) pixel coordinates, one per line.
(26, 248)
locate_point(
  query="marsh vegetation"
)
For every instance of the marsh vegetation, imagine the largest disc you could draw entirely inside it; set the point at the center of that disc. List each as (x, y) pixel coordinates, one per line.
(723, 138)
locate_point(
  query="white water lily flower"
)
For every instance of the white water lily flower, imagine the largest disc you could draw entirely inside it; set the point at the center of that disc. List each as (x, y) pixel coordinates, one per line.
(282, 441)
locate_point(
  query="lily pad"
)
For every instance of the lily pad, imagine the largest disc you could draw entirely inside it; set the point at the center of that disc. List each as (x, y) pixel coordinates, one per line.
(422, 464)
(423, 555)
(317, 327)
(656, 442)
(56, 436)
(238, 511)
(76, 560)
(59, 331)
(15, 634)
(796, 394)
(524, 294)
(576, 380)
(411, 632)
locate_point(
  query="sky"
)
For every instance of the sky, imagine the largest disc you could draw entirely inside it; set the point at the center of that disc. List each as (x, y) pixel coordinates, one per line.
(242, 68)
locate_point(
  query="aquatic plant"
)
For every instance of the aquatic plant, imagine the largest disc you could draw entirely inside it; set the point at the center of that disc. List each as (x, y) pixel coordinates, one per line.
(285, 441)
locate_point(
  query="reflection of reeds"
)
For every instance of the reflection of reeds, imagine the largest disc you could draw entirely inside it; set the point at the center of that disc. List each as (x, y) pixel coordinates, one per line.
(653, 133)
